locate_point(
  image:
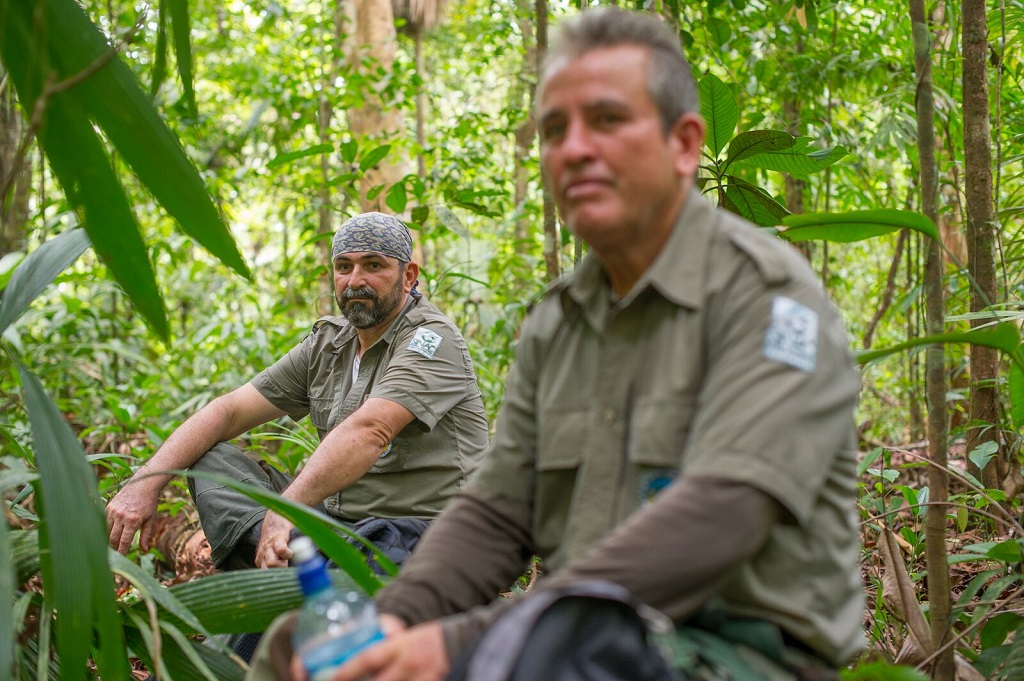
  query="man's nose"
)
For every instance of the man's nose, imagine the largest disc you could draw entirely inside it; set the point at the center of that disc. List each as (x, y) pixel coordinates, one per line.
(578, 143)
(357, 277)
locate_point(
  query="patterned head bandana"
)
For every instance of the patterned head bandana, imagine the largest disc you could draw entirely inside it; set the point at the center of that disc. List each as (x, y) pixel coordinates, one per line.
(373, 233)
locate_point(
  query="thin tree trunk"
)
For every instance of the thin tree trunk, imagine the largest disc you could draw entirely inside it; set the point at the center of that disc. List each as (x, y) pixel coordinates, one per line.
(980, 231)
(523, 95)
(552, 240)
(935, 363)
(13, 208)
(325, 301)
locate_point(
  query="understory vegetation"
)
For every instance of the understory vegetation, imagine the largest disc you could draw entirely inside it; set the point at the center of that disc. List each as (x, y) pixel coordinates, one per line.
(171, 173)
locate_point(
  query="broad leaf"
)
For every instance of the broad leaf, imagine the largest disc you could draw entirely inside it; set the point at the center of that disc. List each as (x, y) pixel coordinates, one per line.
(981, 455)
(374, 156)
(282, 159)
(76, 577)
(720, 112)
(855, 225)
(1017, 395)
(881, 671)
(79, 160)
(181, 25)
(1003, 337)
(322, 529)
(37, 271)
(799, 160)
(241, 601)
(160, 53)
(111, 96)
(748, 144)
(396, 198)
(754, 203)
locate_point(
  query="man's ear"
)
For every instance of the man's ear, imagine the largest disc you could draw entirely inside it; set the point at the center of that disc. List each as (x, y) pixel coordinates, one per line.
(688, 137)
(412, 273)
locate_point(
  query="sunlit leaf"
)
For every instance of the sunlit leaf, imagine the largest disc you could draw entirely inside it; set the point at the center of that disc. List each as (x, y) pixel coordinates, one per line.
(720, 112)
(374, 156)
(982, 454)
(315, 150)
(180, 26)
(76, 577)
(396, 198)
(854, 225)
(881, 671)
(38, 270)
(80, 162)
(112, 97)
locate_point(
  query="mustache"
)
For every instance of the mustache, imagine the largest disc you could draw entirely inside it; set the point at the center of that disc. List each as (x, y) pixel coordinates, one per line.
(349, 294)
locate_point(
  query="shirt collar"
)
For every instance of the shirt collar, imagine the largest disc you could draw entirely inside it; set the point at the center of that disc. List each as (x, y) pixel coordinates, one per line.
(678, 273)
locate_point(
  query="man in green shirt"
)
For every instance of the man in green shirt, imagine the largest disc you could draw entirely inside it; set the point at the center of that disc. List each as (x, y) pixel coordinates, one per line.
(679, 418)
(390, 388)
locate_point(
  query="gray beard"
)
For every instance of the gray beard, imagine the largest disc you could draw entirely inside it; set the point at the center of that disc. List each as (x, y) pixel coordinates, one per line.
(363, 315)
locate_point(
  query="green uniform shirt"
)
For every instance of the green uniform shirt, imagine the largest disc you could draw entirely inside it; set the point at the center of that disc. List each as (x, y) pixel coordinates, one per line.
(725, 360)
(422, 363)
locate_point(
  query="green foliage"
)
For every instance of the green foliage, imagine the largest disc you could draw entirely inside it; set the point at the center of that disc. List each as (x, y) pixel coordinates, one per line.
(753, 151)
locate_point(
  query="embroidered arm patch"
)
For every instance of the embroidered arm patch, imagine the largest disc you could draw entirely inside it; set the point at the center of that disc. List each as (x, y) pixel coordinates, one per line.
(792, 336)
(425, 342)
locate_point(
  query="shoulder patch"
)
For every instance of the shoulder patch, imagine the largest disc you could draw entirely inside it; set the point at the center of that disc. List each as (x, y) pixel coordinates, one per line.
(792, 336)
(425, 342)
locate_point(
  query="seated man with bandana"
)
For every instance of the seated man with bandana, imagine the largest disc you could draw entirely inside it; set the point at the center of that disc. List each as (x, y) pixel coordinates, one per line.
(389, 386)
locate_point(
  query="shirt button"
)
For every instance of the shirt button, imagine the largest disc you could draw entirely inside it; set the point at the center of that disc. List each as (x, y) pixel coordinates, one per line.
(609, 416)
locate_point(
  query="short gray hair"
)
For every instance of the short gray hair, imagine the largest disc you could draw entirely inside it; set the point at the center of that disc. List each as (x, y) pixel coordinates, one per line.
(670, 81)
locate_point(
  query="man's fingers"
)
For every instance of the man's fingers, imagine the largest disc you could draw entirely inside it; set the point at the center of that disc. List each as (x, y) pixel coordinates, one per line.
(366, 663)
(146, 535)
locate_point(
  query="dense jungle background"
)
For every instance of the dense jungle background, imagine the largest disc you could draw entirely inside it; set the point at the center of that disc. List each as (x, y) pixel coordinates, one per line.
(171, 172)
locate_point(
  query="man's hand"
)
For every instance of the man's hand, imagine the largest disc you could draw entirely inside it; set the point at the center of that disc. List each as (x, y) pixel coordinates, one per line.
(132, 509)
(273, 551)
(416, 654)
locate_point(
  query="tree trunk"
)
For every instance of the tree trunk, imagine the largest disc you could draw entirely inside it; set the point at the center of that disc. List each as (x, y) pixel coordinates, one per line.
(523, 95)
(935, 368)
(372, 36)
(15, 173)
(552, 239)
(325, 209)
(980, 231)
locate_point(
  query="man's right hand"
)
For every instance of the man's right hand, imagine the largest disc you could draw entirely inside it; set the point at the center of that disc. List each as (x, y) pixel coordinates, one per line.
(131, 510)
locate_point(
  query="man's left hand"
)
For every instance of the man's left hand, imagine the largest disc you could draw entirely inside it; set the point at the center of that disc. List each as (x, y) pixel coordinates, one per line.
(416, 654)
(273, 551)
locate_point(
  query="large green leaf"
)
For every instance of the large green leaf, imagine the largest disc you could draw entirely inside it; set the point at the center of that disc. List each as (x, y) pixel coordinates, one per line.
(855, 225)
(1003, 336)
(241, 601)
(748, 144)
(1017, 395)
(160, 53)
(720, 112)
(753, 203)
(37, 271)
(76, 576)
(799, 160)
(79, 160)
(180, 26)
(282, 159)
(322, 529)
(112, 97)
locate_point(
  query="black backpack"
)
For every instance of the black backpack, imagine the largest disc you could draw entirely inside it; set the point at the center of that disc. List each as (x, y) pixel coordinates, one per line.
(589, 631)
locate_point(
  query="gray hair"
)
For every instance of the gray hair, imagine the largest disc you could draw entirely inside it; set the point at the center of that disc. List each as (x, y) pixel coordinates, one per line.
(670, 81)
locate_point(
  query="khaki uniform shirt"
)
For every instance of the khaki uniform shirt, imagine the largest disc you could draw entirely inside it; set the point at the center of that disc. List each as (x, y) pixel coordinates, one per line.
(726, 361)
(422, 363)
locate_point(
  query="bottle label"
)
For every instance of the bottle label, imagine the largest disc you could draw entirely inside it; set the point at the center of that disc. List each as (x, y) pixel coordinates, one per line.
(322, 660)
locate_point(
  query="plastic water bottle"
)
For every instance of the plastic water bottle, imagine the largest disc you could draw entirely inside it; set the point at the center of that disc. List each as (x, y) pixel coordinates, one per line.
(333, 624)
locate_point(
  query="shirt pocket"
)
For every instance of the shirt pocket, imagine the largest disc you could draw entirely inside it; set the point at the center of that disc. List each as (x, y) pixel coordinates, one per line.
(560, 442)
(659, 427)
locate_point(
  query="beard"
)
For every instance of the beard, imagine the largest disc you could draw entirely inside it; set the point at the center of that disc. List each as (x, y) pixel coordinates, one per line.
(372, 309)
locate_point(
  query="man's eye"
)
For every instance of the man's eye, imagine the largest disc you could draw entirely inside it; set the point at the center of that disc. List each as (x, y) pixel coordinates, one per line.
(550, 132)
